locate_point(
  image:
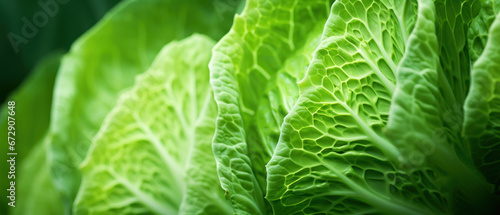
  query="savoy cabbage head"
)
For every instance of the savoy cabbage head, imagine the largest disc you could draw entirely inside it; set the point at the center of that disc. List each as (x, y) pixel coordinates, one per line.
(301, 107)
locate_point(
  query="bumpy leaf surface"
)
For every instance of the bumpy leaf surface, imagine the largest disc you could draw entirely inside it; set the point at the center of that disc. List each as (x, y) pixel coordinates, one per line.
(254, 72)
(104, 62)
(480, 25)
(333, 155)
(153, 154)
(482, 108)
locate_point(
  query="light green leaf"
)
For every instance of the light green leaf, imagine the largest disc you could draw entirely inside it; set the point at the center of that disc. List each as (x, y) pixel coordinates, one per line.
(254, 71)
(103, 63)
(333, 156)
(36, 193)
(32, 112)
(153, 153)
(430, 103)
(375, 129)
(453, 19)
(482, 108)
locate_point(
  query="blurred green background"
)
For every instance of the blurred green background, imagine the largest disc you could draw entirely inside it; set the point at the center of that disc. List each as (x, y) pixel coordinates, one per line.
(63, 24)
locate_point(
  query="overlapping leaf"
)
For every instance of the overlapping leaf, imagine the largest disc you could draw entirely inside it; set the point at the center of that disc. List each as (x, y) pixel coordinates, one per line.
(32, 113)
(253, 72)
(333, 156)
(477, 34)
(153, 154)
(104, 62)
(337, 153)
(35, 192)
(482, 108)
(396, 111)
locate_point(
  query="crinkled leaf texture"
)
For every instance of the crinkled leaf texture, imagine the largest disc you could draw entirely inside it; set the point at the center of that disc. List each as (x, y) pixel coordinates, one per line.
(361, 138)
(254, 71)
(153, 153)
(426, 110)
(482, 107)
(104, 62)
(477, 34)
